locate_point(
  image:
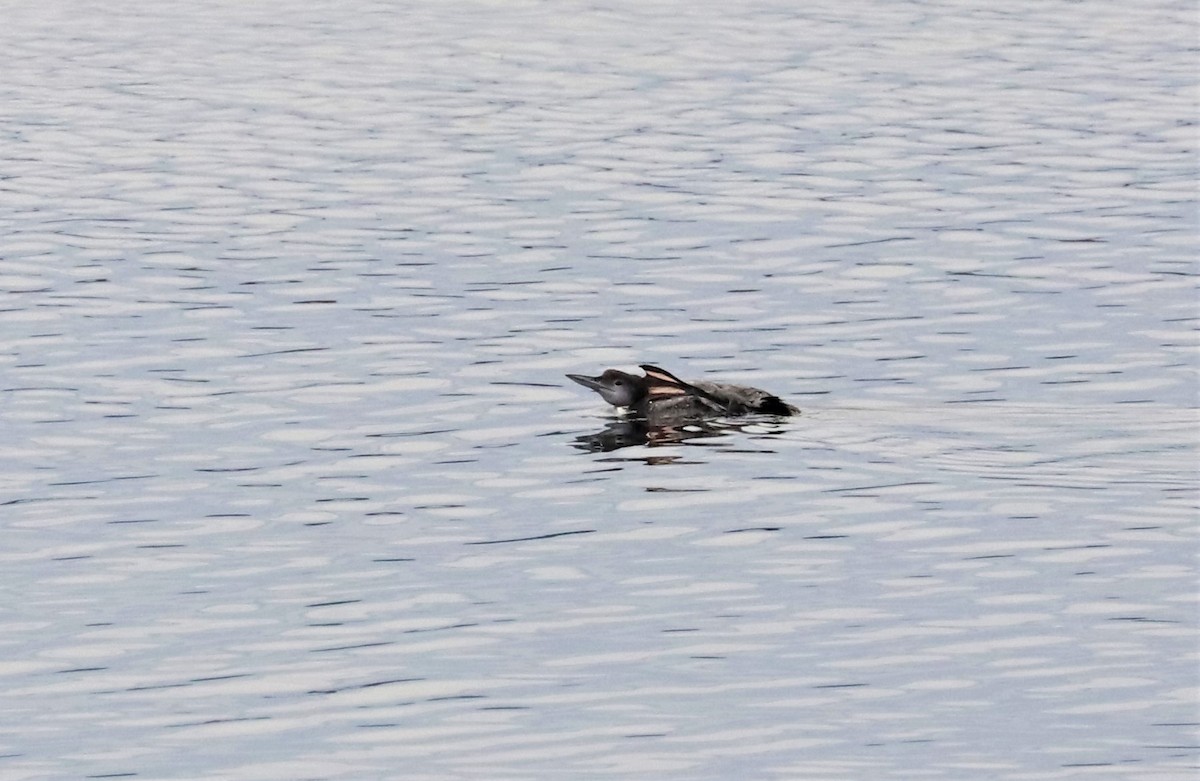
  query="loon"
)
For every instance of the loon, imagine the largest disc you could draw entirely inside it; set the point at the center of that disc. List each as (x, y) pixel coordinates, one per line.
(661, 395)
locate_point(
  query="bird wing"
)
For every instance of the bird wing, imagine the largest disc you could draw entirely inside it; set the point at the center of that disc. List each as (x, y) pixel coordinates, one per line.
(660, 383)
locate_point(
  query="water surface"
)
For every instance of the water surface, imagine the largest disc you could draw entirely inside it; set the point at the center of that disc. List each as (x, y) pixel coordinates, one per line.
(293, 485)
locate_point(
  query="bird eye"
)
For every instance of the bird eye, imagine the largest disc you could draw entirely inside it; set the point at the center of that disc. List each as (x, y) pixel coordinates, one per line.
(619, 382)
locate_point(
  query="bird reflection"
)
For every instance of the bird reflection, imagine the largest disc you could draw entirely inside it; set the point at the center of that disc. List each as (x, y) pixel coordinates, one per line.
(634, 431)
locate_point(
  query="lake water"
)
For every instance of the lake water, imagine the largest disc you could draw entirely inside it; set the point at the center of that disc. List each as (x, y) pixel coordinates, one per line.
(293, 485)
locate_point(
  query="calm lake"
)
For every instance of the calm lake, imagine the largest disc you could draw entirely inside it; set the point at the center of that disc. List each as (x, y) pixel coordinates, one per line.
(293, 485)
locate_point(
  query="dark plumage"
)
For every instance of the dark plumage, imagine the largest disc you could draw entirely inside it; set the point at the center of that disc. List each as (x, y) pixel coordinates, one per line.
(661, 395)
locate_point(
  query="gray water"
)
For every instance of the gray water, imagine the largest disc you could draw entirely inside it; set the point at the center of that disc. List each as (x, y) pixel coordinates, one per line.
(293, 486)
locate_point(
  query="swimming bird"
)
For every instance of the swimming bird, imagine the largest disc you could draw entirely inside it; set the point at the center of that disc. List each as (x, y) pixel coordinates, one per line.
(660, 395)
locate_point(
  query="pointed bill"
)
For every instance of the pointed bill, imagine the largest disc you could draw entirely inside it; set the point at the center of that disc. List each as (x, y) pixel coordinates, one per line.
(593, 383)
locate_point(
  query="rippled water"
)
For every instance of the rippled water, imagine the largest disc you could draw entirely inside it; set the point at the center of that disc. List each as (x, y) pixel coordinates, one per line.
(293, 485)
